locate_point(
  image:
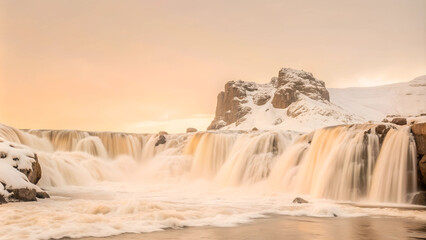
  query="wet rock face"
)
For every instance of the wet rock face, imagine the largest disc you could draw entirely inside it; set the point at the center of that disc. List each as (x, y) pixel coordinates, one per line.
(24, 194)
(422, 169)
(161, 140)
(420, 199)
(419, 133)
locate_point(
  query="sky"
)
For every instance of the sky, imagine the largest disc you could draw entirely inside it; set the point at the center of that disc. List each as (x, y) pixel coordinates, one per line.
(146, 66)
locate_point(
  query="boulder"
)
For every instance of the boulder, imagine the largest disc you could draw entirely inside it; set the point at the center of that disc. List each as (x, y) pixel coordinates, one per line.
(161, 140)
(419, 199)
(191, 130)
(399, 121)
(162, 133)
(299, 200)
(24, 194)
(419, 132)
(254, 129)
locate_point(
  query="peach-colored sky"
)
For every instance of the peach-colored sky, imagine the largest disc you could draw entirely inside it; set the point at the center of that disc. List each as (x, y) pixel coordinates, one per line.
(144, 65)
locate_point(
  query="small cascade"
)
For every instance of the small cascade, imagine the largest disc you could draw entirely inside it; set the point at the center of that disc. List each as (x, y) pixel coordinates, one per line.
(252, 157)
(92, 145)
(395, 173)
(209, 151)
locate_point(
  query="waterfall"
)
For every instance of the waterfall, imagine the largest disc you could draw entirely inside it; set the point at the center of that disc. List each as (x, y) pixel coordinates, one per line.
(395, 173)
(341, 163)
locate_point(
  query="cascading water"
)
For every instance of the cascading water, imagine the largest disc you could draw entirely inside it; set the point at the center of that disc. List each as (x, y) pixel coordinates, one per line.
(341, 163)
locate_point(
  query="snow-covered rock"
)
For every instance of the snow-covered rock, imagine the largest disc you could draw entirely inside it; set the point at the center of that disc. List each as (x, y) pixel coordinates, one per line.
(295, 100)
(19, 172)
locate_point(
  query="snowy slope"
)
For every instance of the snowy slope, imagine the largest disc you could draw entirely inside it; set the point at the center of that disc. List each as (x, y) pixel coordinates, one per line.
(311, 115)
(374, 103)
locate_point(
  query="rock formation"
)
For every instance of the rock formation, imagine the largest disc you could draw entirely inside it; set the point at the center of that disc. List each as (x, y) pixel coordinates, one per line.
(190, 130)
(419, 132)
(295, 90)
(19, 172)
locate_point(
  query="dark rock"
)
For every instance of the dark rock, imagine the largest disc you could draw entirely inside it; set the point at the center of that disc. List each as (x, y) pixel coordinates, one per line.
(422, 168)
(254, 129)
(190, 130)
(419, 132)
(299, 200)
(33, 174)
(385, 120)
(381, 131)
(2, 200)
(42, 195)
(23, 194)
(399, 121)
(420, 199)
(161, 140)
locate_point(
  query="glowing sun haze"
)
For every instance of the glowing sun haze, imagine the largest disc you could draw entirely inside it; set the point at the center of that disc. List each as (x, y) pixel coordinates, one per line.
(148, 65)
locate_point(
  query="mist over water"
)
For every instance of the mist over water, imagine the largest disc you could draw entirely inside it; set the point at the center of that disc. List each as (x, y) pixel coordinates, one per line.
(109, 183)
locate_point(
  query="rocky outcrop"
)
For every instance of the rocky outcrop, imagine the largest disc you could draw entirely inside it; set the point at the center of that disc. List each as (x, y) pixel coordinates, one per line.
(19, 172)
(399, 121)
(230, 106)
(419, 133)
(240, 98)
(301, 82)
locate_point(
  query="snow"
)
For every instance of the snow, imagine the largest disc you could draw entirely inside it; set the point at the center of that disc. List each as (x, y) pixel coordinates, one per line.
(313, 114)
(375, 103)
(346, 106)
(14, 157)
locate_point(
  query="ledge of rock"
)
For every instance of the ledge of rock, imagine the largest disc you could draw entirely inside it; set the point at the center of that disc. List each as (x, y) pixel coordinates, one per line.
(19, 172)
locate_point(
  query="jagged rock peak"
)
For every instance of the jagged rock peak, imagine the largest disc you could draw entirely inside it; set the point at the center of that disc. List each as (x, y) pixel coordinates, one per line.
(301, 81)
